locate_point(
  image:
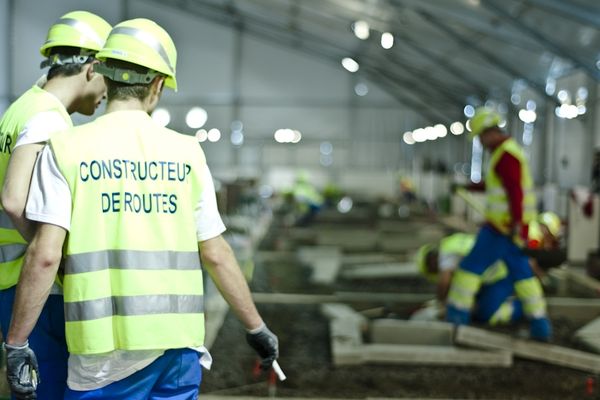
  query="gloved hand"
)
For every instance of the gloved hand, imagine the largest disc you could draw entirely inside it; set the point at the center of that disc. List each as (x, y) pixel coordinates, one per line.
(540, 329)
(265, 343)
(457, 316)
(22, 371)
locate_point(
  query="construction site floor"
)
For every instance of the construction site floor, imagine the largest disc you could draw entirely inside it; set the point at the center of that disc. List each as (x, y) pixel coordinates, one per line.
(306, 355)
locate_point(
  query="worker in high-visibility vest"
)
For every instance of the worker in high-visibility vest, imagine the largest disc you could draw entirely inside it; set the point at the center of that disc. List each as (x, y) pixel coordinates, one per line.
(307, 199)
(139, 206)
(510, 208)
(495, 301)
(71, 85)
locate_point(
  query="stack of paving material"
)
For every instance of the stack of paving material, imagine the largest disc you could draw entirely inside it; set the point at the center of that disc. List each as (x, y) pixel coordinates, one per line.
(438, 343)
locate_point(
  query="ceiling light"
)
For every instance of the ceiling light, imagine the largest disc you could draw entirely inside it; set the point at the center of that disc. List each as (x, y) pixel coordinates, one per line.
(326, 148)
(237, 138)
(214, 135)
(563, 96)
(196, 117)
(350, 64)
(408, 138)
(361, 29)
(469, 111)
(387, 40)
(201, 135)
(457, 128)
(361, 89)
(440, 130)
(527, 116)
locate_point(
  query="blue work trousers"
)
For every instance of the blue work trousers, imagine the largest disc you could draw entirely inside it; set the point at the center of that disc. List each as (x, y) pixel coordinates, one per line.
(491, 246)
(176, 375)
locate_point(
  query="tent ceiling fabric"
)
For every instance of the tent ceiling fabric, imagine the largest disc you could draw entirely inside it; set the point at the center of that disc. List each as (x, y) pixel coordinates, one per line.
(446, 53)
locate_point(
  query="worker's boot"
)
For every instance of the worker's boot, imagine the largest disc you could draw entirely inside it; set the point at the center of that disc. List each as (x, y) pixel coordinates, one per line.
(540, 329)
(530, 292)
(461, 296)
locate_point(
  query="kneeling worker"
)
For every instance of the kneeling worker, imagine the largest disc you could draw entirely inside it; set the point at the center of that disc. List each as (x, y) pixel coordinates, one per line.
(495, 303)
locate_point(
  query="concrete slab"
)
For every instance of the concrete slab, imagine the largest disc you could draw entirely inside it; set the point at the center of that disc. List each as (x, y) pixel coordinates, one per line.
(579, 310)
(343, 297)
(325, 262)
(381, 270)
(549, 353)
(580, 283)
(589, 335)
(352, 240)
(433, 355)
(367, 258)
(338, 311)
(394, 331)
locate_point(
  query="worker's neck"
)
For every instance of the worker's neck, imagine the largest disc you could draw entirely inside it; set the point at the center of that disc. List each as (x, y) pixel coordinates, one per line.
(130, 104)
(498, 142)
(66, 89)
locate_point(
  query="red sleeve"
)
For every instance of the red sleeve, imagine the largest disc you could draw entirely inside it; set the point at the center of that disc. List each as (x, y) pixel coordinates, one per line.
(508, 169)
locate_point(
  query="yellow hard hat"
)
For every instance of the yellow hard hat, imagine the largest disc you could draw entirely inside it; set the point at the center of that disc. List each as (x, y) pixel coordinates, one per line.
(552, 222)
(80, 29)
(421, 260)
(141, 42)
(483, 119)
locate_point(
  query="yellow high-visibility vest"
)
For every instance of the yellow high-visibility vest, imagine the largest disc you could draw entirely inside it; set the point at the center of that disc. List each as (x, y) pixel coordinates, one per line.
(12, 244)
(497, 205)
(133, 279)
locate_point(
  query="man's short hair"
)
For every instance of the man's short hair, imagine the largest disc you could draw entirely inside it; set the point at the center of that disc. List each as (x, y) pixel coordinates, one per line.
(70, 69)
(122, 91)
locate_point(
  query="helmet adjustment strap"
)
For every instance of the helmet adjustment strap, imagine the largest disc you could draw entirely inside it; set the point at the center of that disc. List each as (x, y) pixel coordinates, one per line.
(125, 75)
(60, 59)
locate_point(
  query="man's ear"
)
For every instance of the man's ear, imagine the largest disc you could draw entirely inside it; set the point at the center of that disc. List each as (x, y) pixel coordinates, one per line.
(89, 72)
(160, 82)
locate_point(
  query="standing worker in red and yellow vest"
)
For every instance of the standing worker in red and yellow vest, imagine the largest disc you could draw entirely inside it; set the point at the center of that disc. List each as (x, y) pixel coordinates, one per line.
(510, 207)
(139, 206)
(71, 86)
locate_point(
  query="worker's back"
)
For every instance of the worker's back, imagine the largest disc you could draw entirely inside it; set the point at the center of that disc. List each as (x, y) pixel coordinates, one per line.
(132, 273)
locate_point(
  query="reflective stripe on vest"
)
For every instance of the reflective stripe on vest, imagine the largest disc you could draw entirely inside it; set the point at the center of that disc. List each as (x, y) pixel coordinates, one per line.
(497, 205)
(11, 252)
(133, 279)
(32, 102)
(133, 305)
(131, 259)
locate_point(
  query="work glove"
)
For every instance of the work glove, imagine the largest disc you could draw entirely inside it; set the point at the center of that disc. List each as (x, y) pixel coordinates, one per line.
(265, 343)
(540, 329)
(22, 371)
(457, 316)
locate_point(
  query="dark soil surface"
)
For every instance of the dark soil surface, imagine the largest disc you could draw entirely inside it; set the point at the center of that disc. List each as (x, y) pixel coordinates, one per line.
(306, 357)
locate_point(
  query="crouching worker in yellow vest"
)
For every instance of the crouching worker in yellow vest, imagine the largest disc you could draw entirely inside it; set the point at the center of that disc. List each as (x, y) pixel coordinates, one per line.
(138, 204)
(494, 303)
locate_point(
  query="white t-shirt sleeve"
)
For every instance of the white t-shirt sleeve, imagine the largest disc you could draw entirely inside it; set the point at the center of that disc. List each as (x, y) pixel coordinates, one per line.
(49, 198)
(448, 261)
(208, 220)
(39, 128)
